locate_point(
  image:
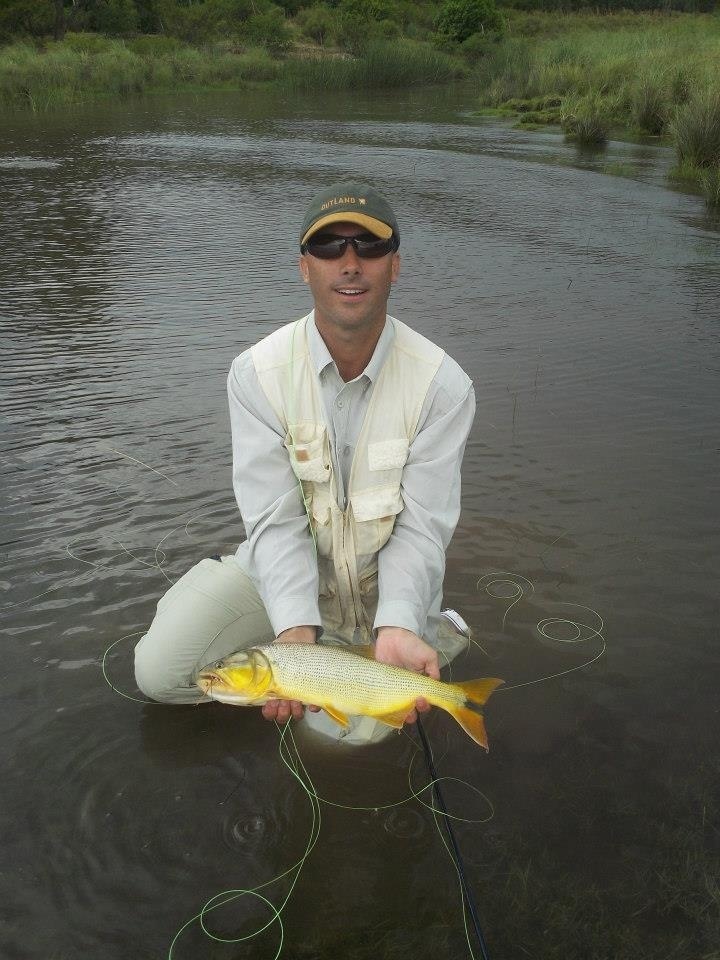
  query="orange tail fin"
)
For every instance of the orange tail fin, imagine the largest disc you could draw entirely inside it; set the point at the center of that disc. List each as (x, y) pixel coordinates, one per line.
(476, 692)
(479, 690)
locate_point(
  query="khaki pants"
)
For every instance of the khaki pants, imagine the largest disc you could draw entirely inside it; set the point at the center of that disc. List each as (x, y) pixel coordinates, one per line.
(215, 610)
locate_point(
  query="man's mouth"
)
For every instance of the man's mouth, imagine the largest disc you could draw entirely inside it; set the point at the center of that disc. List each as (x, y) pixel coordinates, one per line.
(350, 291)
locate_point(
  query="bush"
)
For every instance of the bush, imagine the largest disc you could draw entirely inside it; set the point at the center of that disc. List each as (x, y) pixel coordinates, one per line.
(318, 23)
(114, 17)
(649, 105)
(460, 19)
(269, 30)
(363, 22)
(477, 46)
(697, 131)
(710, 183)
(22, 18)
(90, 43)
(585, 120)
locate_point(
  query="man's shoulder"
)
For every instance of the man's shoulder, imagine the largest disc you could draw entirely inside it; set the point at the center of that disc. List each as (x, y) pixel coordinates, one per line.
(275, 349)
(450, 377)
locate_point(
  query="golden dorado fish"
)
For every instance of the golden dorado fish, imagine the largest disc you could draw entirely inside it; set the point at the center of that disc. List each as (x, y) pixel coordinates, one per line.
(342, 681)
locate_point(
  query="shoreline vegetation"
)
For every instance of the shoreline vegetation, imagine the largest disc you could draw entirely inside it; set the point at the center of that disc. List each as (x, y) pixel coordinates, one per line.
(638, 75)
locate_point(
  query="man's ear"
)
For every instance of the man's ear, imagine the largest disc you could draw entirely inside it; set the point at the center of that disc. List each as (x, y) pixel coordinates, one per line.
(395, 269)
(303, 269)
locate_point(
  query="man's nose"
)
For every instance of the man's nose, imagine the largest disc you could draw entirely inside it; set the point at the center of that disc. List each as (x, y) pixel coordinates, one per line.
(350, 262)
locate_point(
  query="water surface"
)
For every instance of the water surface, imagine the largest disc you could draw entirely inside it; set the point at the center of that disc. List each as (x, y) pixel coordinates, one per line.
(144, 246)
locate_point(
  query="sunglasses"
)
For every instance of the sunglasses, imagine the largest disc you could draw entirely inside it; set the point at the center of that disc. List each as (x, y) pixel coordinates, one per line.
(329, 246)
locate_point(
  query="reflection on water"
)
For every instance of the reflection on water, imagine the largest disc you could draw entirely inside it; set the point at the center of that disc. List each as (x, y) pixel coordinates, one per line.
(145, 246)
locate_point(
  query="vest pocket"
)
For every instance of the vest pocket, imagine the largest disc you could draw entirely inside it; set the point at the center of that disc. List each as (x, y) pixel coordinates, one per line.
(374, 513)
(388, 454)
(309, 452)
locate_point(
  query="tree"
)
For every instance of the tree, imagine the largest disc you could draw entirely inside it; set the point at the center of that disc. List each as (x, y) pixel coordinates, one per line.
(460, 19)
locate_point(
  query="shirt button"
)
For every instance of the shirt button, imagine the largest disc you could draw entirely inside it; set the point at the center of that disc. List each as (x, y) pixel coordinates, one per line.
(338, 404)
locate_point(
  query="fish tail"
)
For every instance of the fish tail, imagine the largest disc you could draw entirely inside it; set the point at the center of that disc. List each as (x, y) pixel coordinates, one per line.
(477, 693)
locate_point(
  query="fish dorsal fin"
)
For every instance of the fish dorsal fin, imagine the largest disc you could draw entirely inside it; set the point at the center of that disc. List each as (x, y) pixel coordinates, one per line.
(337, 716)
(364, 650)
(395, 718)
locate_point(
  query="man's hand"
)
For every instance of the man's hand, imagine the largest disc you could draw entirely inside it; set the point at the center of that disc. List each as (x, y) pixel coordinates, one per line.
(403, 648)
(282, 710)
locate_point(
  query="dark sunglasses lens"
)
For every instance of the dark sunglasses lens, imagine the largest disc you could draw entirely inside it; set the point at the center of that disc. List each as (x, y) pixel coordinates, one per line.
(373, 248)
(331, 248)
(326, 248)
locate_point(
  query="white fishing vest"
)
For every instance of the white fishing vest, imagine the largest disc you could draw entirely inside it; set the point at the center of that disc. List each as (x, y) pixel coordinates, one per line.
(348, 541)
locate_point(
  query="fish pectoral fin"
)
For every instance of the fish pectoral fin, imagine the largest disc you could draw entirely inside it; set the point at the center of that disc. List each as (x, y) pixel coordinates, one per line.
(337, 716)
(396, 718)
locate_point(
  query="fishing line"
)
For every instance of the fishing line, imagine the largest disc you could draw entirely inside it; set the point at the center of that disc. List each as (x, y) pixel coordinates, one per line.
(548, 627)
(142, 463)
(291, 758)
(468, 898)
(490, 579)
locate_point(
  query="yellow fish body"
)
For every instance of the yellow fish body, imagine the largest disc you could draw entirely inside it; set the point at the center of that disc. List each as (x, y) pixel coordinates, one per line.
(342, 682)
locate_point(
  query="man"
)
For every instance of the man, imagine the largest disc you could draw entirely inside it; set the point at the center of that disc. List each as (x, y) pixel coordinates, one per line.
(348, 433)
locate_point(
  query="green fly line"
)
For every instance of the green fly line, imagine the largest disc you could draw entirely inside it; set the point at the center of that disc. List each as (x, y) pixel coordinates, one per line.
(289, 754)
(548, 627)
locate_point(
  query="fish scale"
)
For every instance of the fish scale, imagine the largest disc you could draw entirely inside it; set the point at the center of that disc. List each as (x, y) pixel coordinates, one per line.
(347, 677)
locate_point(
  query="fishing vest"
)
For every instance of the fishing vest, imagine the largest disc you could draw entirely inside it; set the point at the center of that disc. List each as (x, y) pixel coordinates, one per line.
(348, 541)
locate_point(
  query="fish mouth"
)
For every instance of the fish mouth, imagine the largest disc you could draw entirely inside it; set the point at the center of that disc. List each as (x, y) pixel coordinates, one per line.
(215, 688)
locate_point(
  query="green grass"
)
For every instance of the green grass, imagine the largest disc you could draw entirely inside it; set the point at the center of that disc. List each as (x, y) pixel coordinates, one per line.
(85, 66)
(382, 64)
(629, 74)
(586, 119)
(710, 184)
(696, 129)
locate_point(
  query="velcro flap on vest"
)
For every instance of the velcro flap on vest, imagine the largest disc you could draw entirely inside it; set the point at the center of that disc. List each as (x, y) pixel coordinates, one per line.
(388, 454)
(376, 504)
(321, 505)
(308, 454)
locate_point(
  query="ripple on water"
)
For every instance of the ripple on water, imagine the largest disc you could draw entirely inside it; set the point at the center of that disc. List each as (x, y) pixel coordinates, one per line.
(405, 822)
(112, 827)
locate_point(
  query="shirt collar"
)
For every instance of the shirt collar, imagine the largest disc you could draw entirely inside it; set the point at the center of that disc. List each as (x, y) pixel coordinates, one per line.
(321, 357)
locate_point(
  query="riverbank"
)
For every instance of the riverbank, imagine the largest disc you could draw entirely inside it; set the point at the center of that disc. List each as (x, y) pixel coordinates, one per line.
(88, 66)
(597, 76)
(629, 75)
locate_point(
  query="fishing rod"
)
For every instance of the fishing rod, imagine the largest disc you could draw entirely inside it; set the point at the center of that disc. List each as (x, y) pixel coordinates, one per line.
(457, 856)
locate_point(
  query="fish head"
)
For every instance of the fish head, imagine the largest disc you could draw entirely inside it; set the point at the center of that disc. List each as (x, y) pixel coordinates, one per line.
(241, 679)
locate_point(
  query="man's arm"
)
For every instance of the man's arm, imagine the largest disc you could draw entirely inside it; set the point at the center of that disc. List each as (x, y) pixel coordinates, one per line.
(281, 550)
(411, 565)
(280, 547)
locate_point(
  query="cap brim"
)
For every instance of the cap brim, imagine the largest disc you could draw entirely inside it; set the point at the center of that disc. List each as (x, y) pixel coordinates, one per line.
(372, 225)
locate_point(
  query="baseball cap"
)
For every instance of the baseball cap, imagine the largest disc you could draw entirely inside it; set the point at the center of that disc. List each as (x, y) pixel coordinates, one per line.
(349, 201)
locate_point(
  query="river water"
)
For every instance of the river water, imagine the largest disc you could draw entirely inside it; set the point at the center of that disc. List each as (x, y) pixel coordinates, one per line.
(144, 245)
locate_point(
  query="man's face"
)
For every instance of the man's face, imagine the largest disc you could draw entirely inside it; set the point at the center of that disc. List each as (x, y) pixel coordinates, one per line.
(350, 293)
